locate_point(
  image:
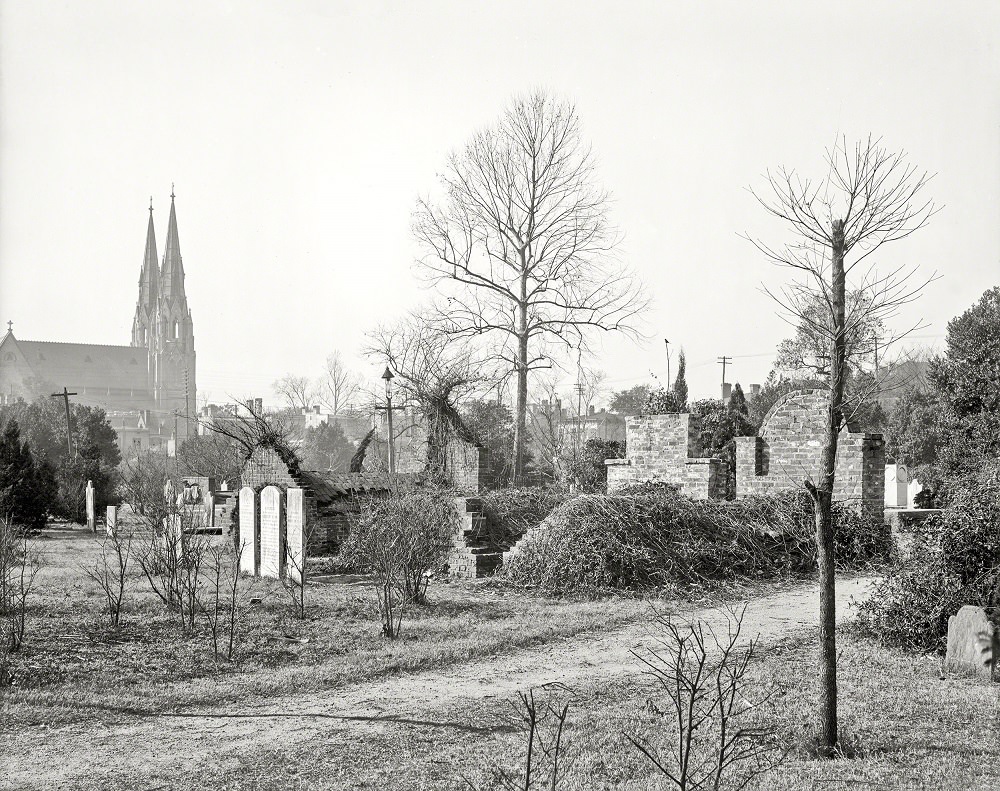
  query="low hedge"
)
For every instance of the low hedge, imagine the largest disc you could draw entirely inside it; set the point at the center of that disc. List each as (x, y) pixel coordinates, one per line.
(649, 536)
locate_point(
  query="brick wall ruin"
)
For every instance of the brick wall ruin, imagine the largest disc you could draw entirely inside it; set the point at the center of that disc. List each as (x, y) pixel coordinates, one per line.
(789, 448)
(665, 448)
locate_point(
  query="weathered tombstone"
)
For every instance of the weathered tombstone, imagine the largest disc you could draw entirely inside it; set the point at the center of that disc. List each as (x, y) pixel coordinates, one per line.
(249, 532)
(295, 515)
(91, 516)
(896, 481)
(111, 521)
(272, 540)
(210, 510)
(914, 488)
(971, 641)
(168, 492)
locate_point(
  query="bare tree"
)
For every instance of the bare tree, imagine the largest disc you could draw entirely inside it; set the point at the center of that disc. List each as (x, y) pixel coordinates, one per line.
(433, 373)
(870, 196)
(336, 388)
(523, 242)
(297, 391)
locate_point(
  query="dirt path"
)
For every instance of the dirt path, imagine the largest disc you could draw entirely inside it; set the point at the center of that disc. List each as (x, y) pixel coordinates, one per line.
(174, 745)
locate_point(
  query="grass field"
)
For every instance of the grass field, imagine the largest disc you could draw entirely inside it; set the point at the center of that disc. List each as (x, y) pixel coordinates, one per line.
(904, 726)
(73, 666)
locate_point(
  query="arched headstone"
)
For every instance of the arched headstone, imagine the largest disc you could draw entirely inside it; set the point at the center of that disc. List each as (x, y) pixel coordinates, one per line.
(272, 539)
(295, 535)
(249, 532)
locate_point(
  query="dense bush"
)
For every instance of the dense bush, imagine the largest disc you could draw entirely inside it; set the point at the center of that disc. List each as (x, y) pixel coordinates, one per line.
(649, 535)
(955, 560)
(27, 485)
(511, 512)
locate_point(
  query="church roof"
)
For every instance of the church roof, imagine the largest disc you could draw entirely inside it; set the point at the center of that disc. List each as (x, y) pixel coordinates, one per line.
(89, 365)
(172, 272)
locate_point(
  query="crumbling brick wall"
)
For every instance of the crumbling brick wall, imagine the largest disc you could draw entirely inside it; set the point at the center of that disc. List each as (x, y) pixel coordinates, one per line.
(789, 449)
(665, 448)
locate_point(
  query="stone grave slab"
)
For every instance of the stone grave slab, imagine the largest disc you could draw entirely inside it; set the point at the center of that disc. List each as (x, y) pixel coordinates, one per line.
(971, 641)
(295, 535)
(249, 531)
(272, 539)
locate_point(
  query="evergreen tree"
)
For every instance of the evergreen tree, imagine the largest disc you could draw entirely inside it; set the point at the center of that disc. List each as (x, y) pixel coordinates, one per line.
(680, 383)
(738, 401)
(27, 488)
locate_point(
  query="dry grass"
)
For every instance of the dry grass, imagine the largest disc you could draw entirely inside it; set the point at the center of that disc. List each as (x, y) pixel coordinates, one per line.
(74, 667)
(906, 728)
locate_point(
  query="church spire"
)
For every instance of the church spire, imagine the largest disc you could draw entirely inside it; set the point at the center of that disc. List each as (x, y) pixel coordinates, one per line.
(149, 277)
(172, 272)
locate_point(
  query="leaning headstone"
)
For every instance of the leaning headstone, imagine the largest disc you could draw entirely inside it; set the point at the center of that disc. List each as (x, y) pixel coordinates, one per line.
(295, 535)
(111, 521)
(971, 641)
(272, 544)
(249, 532)
(91, 516)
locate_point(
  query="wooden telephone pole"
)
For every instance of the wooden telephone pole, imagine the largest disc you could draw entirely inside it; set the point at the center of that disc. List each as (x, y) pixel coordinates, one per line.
(64, 395)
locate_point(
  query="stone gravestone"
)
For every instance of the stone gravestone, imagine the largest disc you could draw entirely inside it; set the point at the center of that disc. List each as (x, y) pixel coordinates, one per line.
(249, 532)
(111, 522)
(272, 539)
(91, 516)
(914, 488)
(210, 510)
(971, 642)
(897, 480)
(295, 535)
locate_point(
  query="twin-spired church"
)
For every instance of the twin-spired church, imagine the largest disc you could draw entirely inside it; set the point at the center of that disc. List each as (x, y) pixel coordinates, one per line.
(148, 387)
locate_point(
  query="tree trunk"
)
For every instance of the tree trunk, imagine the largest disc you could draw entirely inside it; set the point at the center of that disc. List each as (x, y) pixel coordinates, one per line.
(822, 494)
(521, 402)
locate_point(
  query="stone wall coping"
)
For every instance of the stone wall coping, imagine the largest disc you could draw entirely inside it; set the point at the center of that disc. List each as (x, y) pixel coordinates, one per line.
(703, 460)
(618, 462)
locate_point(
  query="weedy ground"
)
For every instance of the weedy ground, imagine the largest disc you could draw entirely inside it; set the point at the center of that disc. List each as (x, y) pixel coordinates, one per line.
(80, 685)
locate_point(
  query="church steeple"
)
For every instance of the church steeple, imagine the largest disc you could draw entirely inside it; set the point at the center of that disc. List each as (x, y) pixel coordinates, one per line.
(172, 273)
(143, 324)
(149, 278)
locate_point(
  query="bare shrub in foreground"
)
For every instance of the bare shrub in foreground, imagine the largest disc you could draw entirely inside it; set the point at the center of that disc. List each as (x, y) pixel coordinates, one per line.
(110, 569)
(228, 590)
(400, 538)
(718, 736)
(19, 564)
(545, 765)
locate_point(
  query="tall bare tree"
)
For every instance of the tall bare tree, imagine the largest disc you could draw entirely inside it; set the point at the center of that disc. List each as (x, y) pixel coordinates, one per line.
(521, 244)
(338, 385)
(297, 391)
(869, 197)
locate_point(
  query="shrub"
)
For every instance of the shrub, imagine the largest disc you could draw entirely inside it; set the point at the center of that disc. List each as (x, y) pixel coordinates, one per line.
(649, 535)
(954, 561)
(399, 538)
(511, 512)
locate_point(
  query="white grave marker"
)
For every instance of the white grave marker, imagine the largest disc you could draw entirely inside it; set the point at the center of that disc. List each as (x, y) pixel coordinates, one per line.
(249, 531)
(91, 517)
(295, 535)
(272, 544)
(111, 521)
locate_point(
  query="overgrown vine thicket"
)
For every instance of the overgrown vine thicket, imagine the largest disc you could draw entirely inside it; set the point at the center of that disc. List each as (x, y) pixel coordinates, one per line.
(649, 535)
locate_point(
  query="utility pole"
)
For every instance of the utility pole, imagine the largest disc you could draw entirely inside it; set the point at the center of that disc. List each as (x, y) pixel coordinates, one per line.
(64, 395)
(724, 360)
(667, 344)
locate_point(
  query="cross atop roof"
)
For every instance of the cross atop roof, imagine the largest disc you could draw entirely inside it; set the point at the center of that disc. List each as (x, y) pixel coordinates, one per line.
(10, 326)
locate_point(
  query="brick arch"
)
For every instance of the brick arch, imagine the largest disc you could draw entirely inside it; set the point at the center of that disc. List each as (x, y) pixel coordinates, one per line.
(818, 402)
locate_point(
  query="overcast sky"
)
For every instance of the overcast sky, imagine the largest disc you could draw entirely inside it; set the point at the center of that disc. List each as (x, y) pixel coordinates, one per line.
(299, 135)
